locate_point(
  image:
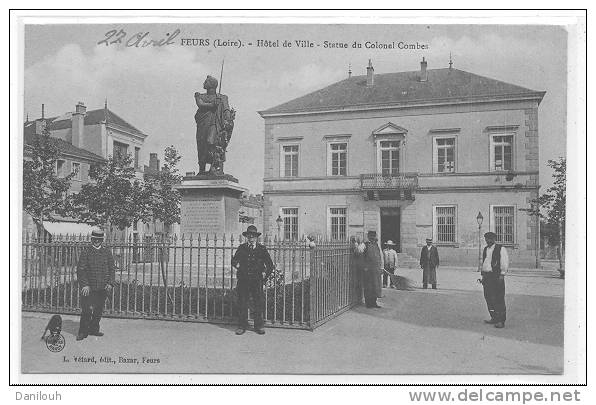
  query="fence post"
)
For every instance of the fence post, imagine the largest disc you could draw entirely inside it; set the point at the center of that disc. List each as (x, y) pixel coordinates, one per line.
(313, 307)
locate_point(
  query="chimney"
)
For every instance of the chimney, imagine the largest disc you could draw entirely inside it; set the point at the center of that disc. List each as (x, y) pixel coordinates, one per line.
(423, 72)
(78, 125)
(40, 123)
(39, 126)
(370, 74)
(153, 162)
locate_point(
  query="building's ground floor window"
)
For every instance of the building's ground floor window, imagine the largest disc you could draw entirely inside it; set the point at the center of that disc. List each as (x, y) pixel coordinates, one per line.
(445, 224)
(338, 223)
(504, 223)
(290, 218)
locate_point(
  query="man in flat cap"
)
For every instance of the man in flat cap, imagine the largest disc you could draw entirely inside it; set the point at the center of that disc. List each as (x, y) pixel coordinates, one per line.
(372, 266)
(95, 275)
(254, 266)
(429, 261)
(495, 264)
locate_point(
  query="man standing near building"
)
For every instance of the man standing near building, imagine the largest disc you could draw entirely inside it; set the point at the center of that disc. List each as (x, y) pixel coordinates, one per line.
(254, 265)
(96, 275)
(372, 266)
(429, 261)
(357, 264)
(390, 259)
(495, 264)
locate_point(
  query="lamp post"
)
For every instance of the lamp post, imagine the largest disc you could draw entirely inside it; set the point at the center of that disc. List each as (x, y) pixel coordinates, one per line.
(479, 219)
(279, 221)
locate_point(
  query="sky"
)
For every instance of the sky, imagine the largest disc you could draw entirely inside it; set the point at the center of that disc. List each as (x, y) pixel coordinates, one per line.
(153, 87)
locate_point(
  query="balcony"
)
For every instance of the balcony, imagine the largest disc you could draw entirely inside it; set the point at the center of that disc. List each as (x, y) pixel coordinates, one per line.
(399, 186)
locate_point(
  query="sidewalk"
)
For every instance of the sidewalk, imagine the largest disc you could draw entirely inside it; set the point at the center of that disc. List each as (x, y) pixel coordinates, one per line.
(416, 332)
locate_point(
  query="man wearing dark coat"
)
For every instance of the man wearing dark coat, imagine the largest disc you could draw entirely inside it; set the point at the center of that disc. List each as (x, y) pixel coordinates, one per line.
(372, 267)
(429, 261)
(95, 275)
(254, 265)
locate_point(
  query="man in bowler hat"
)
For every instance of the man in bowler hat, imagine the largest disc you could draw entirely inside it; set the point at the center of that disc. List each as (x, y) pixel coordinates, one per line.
(254, 265)
(495, 264)
(429, 261)
(96, 275)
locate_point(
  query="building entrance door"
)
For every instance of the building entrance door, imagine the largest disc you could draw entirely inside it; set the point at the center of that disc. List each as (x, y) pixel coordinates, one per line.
(390, 222)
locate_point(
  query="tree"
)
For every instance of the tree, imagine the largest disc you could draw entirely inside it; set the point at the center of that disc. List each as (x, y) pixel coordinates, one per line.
(44, 193)
(551, 207)
(114, 197)
(165, 198)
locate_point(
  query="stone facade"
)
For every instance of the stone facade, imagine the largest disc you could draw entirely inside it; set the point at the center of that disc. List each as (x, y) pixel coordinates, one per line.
(475, 185)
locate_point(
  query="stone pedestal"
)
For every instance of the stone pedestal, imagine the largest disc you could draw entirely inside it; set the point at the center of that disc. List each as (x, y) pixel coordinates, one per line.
(210, 205)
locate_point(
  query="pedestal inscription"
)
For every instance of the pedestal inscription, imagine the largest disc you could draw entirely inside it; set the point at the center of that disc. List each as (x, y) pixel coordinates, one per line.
(202, 215)
(210, 205)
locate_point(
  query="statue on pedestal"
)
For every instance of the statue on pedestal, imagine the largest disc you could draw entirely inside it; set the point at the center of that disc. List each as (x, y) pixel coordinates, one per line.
(215, 122)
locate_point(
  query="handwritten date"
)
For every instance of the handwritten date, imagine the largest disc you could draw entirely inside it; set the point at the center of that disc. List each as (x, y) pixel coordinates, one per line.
(137, 40)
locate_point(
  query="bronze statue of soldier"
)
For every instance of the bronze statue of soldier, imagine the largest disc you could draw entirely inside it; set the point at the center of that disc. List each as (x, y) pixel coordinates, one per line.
(215, 122)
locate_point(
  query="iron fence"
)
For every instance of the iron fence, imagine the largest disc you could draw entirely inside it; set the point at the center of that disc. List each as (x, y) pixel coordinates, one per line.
(191, 279)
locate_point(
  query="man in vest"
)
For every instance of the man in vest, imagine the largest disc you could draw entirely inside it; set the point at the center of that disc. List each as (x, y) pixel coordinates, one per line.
(390, 259)
(495, 264)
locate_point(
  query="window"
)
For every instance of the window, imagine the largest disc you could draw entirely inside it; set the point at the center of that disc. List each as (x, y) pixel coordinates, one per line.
(290, 224)
(337, 222)
(444, 155)
(137, 152)
(120, 149)
(389, 151)
(501, 152)
(289, 161)
(76, 169)
(445, 224)
(60, 167)
(338, 159)
(504, 224)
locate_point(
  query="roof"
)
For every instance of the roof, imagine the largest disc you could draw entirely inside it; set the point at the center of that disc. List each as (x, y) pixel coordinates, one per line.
(61, 145)
(93, 117)
(443, 85)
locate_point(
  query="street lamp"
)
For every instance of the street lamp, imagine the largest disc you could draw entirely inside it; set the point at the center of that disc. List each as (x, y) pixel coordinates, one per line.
(279, 221)
(479, 219)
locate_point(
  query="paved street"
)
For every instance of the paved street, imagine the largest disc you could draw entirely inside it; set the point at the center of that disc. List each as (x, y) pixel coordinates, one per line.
(416, 332)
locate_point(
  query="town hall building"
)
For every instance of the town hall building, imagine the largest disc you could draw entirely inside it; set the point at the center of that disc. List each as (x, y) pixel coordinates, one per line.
(411, 155)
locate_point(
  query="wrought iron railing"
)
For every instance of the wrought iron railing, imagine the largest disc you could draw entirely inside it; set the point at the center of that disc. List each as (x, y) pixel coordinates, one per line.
(191, 279)
(389, 182)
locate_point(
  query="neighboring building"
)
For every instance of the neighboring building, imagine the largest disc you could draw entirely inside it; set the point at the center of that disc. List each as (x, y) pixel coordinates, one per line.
(100, 131)
(72, 159)
(251, 211)
(82, 138)
(411, 155)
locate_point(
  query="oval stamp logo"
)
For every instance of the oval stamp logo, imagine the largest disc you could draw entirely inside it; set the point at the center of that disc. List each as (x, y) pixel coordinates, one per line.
(55, 343)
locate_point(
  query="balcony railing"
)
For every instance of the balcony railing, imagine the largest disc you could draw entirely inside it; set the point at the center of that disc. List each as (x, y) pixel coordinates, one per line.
(399, 185)
(377, 181)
